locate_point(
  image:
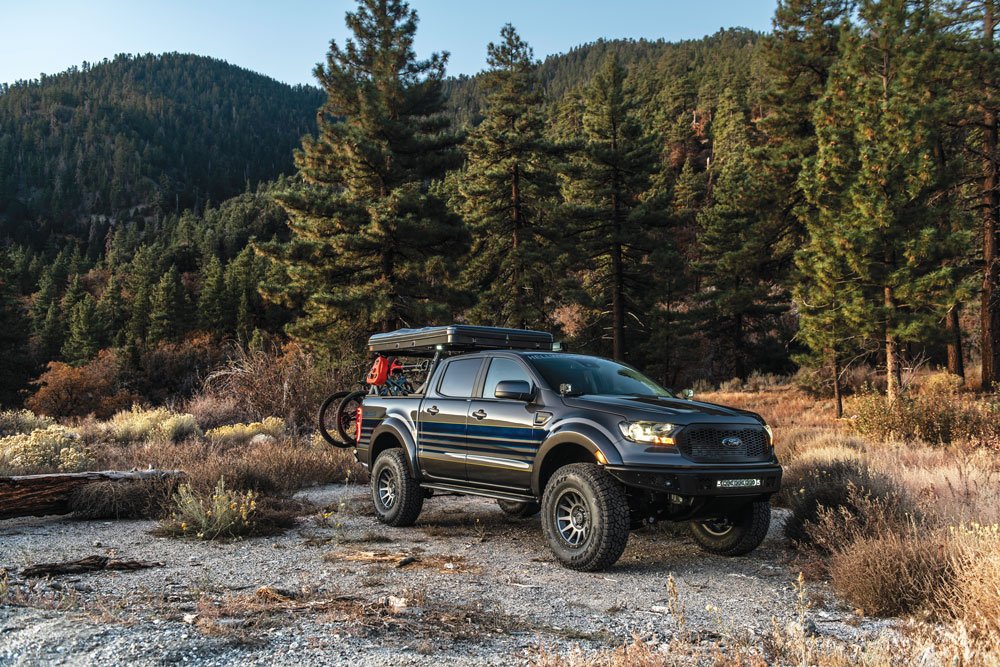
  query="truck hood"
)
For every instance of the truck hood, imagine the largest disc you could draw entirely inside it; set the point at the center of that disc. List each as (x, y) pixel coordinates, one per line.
(661, 408)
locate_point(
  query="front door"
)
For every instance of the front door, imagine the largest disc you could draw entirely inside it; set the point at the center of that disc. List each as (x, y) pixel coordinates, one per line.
(502, 434)
(441, 424)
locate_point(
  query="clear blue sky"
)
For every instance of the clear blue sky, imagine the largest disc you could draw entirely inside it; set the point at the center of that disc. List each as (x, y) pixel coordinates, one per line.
(286, 38)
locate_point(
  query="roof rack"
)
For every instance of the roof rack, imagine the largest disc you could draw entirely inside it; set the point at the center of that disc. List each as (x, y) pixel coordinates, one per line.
(458, 338)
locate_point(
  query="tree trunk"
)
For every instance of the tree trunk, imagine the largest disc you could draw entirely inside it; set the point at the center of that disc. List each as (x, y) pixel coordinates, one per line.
(893, 376)
(991, 228)
(42, 495)
(617, 285)
(838, 399)
(955, 364)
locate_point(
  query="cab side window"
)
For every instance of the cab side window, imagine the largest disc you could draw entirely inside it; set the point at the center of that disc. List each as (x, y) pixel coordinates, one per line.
(503, 369)
(460, 377)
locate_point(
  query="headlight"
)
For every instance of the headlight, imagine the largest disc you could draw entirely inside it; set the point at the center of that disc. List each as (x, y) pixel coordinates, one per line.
(653, 433)
(770, 433)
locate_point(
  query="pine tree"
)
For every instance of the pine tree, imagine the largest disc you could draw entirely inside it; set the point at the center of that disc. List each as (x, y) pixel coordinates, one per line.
(372, 244)
(83, 338)
(604, 186)
(49, 340)
(877, 181)
(167, 308)
(112, 312)
(14, 362)
(507, 192)
(213, 301)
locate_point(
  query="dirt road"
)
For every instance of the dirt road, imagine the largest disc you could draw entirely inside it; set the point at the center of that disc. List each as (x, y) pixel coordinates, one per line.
(467, 585)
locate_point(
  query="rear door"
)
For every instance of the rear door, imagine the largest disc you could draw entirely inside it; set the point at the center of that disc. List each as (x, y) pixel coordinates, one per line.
(502, 434)
(441, 424)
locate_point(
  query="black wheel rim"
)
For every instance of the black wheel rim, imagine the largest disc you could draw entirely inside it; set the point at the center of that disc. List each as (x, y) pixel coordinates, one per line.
(572, 518)
(386, 487)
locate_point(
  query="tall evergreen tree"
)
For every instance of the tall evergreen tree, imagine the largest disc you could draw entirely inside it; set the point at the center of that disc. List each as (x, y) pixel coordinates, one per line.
(15, 361)
(876, 180)
(84, 332)
(604, 187)
(373, 245)
(507, 192)
(112, 312)
(739, 261)
(213, 301)
(167, 308)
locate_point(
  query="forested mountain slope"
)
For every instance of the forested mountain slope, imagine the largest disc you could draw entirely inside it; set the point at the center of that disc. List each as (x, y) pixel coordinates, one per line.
(171, 130)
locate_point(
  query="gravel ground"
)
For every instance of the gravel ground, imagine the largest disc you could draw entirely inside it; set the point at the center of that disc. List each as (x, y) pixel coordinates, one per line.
(483, 589)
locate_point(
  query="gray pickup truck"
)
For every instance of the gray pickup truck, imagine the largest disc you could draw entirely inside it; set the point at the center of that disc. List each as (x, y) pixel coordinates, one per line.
(594, 445)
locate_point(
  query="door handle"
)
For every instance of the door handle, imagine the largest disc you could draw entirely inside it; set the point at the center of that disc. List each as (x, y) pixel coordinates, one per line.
(479, 414)
(433, 410)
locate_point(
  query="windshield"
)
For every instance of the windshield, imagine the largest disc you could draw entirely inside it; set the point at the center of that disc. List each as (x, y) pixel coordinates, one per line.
(573, 375)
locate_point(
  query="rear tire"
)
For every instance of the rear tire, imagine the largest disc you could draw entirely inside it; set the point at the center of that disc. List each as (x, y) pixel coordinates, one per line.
(327, 417)
(585, 517)
(397, 497)
(347, 418)
(519, 510)
(737, 534)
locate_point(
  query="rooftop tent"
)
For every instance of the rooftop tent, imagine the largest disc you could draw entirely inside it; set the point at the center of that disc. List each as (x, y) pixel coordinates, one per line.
(458, 338)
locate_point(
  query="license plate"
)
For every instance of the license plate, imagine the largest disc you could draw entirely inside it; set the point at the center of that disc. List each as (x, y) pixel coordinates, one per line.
(736, 483)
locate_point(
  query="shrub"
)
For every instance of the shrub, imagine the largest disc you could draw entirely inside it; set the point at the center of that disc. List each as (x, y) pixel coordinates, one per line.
(214, 410)
(49, 449)
(285, 382)
(171, 370)
(134, 499)
(838, 486)
(138, 425)
(936, 415)
(892, 574)
(223, 513)
(14, 422)
(242, 433)
(91, 389)
(178, 427)
(975, 593)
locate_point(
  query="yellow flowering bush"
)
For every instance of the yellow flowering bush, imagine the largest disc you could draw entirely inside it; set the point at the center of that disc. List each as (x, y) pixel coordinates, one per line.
(224, 513)
(51, 448)
(241, 433)
(14, 422)
(137, 425)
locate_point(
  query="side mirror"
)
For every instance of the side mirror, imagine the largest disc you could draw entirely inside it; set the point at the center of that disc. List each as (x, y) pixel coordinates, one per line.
(514, 390)
(687, 394)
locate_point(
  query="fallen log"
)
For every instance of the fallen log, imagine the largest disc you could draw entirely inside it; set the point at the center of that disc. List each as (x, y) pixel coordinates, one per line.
(88, 564)
(42, 495)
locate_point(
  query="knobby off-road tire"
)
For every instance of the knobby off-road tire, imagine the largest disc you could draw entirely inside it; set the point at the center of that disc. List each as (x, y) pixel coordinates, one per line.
(585, 517)
(518, 510)
(328, 417)
(738, 534)
(397, 497)
(347, 424)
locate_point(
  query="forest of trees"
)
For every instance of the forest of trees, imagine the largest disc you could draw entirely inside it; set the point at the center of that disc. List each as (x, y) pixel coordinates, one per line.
(821, 196)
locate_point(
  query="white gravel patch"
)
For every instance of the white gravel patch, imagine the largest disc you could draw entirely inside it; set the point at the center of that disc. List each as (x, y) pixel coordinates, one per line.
(484, 561)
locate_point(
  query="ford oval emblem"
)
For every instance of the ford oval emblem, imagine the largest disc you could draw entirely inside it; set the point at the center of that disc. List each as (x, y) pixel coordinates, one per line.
(732, 442)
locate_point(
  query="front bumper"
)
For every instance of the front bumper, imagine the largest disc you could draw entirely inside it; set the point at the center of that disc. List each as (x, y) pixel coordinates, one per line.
(700, 480)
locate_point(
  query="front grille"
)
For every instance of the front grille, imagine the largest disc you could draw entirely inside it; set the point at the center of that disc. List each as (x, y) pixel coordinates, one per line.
(710, 444)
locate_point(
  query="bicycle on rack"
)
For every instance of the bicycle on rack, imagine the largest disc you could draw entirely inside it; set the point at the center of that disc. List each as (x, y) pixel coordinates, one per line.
(338, 416)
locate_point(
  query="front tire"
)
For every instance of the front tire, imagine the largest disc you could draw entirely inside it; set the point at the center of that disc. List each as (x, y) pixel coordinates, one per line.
(736, 534)
(518, 510)
(585, 517)
(396, 495)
